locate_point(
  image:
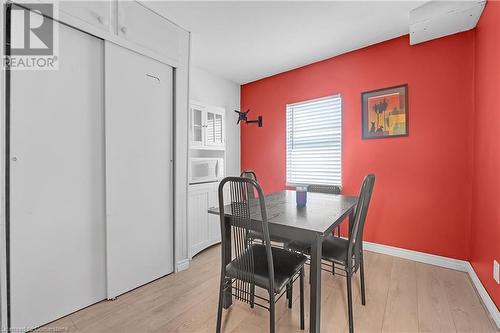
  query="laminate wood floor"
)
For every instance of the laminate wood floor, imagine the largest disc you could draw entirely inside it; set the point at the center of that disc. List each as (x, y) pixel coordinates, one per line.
(401, 296)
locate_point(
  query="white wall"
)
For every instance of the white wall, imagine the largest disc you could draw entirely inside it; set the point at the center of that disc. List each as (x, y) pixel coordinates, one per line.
(211, 89)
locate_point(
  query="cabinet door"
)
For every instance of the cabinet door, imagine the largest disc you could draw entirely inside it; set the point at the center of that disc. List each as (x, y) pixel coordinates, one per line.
(96, 13)
(196, 126)
(214, 127)
(144, 27)
(214, 220)
(198, 232)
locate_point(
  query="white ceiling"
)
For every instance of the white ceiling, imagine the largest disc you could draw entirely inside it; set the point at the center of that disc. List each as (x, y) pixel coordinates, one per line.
(246, 41)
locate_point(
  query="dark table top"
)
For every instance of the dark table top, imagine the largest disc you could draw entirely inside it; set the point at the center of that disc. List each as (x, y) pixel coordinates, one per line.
(321, 214)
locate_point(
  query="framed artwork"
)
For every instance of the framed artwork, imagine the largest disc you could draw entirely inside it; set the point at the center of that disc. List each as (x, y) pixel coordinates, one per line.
(384, 112)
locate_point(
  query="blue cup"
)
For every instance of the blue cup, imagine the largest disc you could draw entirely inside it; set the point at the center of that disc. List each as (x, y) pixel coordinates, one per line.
(301, 196)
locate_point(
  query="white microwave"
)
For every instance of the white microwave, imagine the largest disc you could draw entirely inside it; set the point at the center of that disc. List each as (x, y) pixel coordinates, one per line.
(205, 169)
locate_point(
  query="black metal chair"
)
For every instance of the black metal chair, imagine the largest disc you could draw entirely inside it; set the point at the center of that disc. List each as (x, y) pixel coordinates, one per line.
(330, 189)
(249, 174)
(347, 253)
(261, 265)
(253, 235)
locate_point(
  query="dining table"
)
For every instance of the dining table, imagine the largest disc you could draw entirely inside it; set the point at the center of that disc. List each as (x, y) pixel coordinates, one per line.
(309, 224)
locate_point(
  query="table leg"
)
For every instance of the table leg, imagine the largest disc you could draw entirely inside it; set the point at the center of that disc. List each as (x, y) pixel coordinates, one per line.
(228, 299)
(315, 276)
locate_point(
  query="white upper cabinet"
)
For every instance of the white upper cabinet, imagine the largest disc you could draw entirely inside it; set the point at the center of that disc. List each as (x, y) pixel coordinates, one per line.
(214, 127)
(207, 127)
(196, 126)
(131, 24)
(95, 13)
(141, 26)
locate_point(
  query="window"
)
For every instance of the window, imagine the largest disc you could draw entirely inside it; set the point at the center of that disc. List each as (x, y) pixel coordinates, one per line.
(314, 142)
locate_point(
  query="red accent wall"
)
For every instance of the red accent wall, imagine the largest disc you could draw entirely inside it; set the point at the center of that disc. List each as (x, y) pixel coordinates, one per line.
(485, 218)
(422, 195)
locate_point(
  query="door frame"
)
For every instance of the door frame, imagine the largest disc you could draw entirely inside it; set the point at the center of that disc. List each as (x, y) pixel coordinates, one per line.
(180, 144)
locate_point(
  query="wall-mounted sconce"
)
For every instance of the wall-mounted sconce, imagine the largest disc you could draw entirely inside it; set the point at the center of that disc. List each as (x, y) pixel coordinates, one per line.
(242, 116)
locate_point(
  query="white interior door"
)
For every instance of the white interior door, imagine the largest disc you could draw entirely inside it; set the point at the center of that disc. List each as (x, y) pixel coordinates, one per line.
(138, 169)
(57, 212)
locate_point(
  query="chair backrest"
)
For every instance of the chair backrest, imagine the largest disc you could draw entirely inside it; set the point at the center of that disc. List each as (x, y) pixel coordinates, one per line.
(356, 234)
(239, 223)
(251, 175)
(331, 189)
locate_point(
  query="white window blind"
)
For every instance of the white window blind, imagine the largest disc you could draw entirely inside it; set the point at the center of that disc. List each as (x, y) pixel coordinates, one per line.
(314, 142)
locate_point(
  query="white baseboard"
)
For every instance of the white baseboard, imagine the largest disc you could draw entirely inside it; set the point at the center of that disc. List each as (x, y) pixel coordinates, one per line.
(182, 265)
(426, 258)
(488, 302)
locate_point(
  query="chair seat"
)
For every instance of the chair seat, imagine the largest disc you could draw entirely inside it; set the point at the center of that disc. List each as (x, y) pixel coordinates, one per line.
(298, 246)
(286, 265)
(333, 249)
(258, 235)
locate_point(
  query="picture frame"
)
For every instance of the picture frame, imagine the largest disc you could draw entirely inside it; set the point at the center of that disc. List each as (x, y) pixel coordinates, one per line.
(384, 113)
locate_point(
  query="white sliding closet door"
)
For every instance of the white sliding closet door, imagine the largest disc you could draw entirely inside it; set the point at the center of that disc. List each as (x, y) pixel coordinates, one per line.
(57, 211)
(138, 169)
